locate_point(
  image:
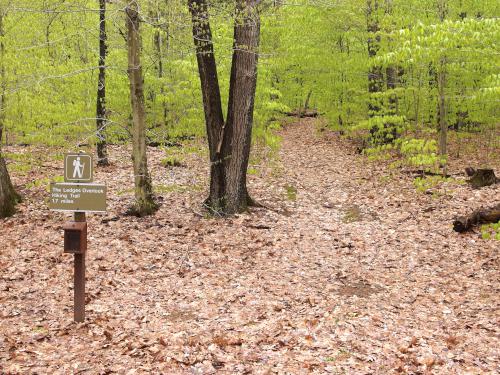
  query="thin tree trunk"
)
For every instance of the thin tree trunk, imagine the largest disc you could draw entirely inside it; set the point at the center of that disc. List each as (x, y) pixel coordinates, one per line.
(8, 196)
(441, 81)
(101, 120)
(144, 204)
(375, 76)
(443, 126)
(214, 119)
(392, 79)
(306, 103)
(158, 43)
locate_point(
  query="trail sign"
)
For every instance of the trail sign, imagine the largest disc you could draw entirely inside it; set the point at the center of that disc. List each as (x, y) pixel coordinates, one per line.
(77, 197)
(78, 167)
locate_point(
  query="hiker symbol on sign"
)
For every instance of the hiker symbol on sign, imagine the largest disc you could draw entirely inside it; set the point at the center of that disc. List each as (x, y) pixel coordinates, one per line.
(78, 168)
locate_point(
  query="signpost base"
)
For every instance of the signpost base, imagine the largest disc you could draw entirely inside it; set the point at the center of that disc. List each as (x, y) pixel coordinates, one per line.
(79, 278)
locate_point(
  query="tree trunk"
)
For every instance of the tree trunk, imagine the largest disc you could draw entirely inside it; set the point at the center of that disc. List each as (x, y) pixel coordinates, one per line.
(144, 202)
(8, 196)
(236, 140)
(443, 126)
(102, 153)
(392, 79)
(375, 76)
(210, 89)
(158, 44)
(308, 99)
(482, 216)
(229, 142)
(441, 81)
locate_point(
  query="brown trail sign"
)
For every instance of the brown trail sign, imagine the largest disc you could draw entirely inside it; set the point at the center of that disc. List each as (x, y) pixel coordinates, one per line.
(79, 195)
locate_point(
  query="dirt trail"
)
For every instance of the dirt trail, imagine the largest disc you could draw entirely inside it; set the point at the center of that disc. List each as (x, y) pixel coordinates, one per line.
(352, 272)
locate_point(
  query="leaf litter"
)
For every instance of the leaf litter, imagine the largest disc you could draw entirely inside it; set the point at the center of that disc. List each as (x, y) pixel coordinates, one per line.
(291, 289)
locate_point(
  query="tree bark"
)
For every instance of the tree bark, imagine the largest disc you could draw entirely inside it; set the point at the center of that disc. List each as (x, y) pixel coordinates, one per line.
(481, 216)
(481, 177)
(375, 75)
(441, 81)
(392, 79)
(443, 126)
(144, 202)
(210, 89)
(101, 120)
(229, 142)
(158, 44)
(8, 197)
(236, 140)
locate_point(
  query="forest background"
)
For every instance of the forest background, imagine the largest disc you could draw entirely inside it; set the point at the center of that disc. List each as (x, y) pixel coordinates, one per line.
(395, 76)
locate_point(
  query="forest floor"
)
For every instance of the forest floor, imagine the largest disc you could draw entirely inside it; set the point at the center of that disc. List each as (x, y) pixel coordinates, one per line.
(350, 271)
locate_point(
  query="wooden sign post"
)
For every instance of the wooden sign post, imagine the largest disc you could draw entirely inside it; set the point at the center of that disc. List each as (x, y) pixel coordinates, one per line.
(79, 195)
(79, 275)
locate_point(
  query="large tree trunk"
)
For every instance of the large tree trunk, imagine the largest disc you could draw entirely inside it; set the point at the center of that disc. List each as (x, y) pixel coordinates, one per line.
(8, 196)
(102, 153)
(214, 119)
(144, 202)
(238, 130)
(229, 142)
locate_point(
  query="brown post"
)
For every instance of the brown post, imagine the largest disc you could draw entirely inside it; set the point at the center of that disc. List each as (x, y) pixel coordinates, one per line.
(79, 279)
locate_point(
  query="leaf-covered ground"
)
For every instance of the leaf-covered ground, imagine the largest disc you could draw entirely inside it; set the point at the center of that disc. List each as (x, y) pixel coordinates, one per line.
(350, 271)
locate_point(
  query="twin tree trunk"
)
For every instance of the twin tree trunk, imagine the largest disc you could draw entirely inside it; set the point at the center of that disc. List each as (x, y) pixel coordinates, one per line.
(8, 197)
(229, 141)
(144, 202)
(102, 154)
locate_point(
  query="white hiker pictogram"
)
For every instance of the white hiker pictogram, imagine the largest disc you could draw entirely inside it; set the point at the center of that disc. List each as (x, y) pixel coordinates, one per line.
(78, 167)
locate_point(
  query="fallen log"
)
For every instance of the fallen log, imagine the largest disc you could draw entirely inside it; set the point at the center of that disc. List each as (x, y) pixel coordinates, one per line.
(481, 216)
(303, 113)
(481, 177)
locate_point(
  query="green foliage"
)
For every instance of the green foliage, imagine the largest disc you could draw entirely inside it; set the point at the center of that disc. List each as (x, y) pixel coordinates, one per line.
(252, 171)
(52, 75)
(44, 182)
(291, 192)
(491, 231)
(377, 153)
(310, 52)
(420, 153)
(172, 161)
(324, 51)
(423, 184)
